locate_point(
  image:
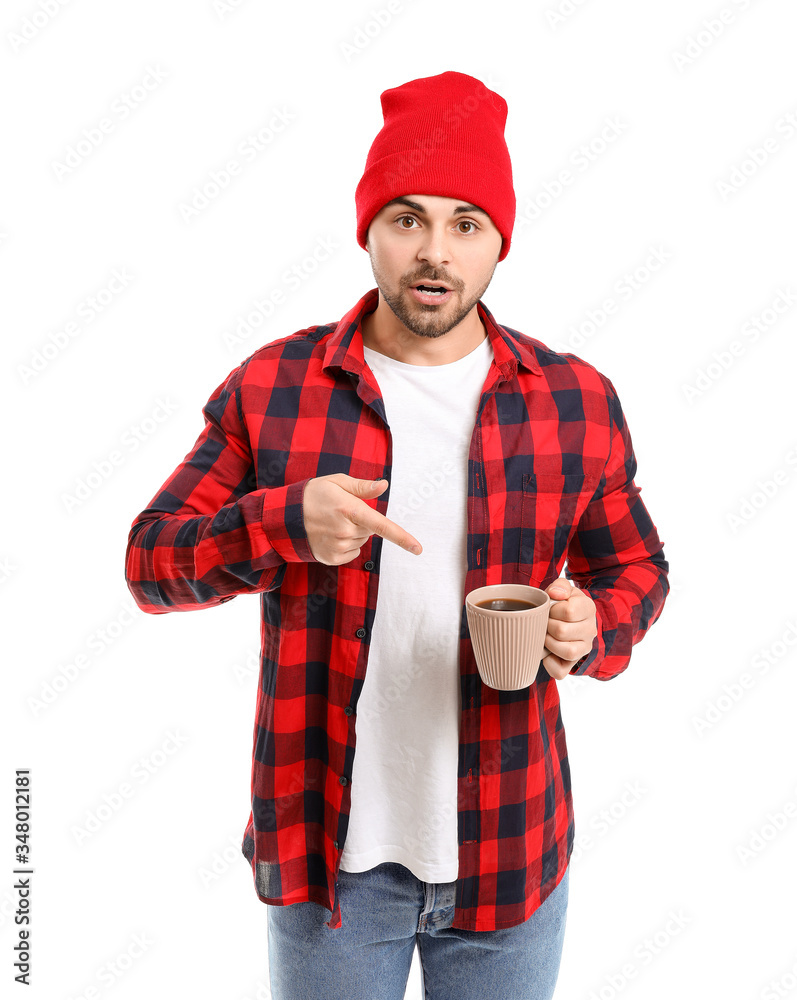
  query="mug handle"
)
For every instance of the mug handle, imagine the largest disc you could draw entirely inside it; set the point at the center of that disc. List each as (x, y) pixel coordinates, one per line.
(545, 650)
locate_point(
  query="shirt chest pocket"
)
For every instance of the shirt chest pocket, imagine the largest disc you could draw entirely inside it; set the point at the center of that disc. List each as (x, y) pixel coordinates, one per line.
(551, 506)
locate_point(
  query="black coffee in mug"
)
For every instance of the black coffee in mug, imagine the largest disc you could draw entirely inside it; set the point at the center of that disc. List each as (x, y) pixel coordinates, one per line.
(505, 604)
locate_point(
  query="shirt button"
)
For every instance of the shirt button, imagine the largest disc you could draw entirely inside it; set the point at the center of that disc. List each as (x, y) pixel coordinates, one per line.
(343, 779)
(348, 710)
(370, 564)
(360, 633)
(336, 846)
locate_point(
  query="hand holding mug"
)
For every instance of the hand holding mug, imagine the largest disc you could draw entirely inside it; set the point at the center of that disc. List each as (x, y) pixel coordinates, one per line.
(572, 625)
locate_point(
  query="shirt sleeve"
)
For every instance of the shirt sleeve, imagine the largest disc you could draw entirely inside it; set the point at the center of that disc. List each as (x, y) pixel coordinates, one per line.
(617, 557)
(209, 534)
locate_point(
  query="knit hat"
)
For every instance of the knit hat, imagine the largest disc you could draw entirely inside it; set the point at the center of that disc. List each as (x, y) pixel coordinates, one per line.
(443, 135)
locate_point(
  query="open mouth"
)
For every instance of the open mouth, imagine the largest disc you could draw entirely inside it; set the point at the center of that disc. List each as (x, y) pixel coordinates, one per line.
(430, 293)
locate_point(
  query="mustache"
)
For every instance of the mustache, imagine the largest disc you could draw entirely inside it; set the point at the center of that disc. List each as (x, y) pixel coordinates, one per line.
(431, 278)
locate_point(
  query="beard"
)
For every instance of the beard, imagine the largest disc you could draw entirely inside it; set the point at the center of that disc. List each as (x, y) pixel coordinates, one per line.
(429, 320)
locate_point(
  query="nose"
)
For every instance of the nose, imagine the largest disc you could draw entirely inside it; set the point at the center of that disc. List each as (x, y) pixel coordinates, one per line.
(435, 247)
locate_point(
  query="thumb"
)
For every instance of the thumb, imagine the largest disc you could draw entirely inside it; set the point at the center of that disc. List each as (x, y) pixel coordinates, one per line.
(559, 590)
(364, 487)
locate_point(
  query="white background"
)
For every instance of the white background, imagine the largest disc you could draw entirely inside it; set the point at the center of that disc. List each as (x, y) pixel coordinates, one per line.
(674, 818)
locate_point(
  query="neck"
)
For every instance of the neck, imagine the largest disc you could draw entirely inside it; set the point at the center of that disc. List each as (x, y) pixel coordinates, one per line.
(383, 332)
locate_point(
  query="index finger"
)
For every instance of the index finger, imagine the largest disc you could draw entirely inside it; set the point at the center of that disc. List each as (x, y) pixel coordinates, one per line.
(378, 524)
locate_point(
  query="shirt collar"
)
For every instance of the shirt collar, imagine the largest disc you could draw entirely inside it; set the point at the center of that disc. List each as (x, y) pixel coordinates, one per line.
(345, 347)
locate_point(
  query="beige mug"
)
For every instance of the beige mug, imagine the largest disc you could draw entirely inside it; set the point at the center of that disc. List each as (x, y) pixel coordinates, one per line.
(508, 645)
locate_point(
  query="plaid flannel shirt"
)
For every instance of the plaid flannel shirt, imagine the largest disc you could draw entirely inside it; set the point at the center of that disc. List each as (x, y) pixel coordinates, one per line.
(550, 482)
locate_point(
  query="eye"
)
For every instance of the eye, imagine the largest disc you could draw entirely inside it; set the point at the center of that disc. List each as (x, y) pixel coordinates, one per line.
(468, 222)
(402, 218)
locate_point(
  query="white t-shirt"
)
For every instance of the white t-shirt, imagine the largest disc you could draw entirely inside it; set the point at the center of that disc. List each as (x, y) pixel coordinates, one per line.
(404, 777)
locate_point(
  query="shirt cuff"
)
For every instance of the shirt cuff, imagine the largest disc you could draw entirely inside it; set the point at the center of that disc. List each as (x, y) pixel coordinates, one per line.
(283, 522)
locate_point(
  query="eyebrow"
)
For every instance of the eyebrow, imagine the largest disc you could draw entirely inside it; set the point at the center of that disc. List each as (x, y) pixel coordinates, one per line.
(422, 211)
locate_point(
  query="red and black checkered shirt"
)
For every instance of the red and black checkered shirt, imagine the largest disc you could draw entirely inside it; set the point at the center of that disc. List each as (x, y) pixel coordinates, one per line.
(550, 482)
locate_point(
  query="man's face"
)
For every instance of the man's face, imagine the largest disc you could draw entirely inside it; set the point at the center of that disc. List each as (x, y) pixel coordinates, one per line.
(428, 240)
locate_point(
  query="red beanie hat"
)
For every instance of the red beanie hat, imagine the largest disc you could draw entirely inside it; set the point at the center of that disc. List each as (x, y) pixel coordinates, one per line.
(443, 135)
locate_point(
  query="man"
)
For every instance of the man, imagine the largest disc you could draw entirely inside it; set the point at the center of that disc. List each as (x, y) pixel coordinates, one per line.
(498, 460)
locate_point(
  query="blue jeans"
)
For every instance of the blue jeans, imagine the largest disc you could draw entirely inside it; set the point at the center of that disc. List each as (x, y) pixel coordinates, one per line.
(385, 912)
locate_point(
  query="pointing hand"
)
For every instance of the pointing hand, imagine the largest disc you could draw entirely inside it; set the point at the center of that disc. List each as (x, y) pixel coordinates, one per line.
(339, 522)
